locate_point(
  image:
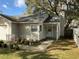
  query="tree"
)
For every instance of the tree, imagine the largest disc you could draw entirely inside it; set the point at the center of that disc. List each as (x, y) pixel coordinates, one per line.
(70, 7)
(52, 6)
(42, 5)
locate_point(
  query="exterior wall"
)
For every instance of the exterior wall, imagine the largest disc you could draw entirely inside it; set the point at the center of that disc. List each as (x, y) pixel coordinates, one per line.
(55, 30)
(15, 29)
(54, 26)
(25, 31)
(45, 30)
(42, 32)
(5, 28)
(53, 33)
(8, 30)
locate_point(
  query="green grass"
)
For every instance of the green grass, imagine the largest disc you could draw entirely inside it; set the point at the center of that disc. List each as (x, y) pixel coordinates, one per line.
(64, 49)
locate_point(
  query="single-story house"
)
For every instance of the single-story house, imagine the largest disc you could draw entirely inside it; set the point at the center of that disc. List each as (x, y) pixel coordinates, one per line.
(35, 27)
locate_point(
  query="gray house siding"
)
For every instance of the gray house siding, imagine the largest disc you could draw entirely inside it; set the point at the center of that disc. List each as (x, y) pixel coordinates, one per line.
(28, 32)
(42, 34)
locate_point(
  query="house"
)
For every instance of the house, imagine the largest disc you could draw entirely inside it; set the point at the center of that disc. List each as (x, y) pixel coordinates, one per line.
(34, 27)
(5, 28)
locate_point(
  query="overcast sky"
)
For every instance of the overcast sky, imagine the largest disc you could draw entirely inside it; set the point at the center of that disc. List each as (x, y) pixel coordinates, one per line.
(12, 7)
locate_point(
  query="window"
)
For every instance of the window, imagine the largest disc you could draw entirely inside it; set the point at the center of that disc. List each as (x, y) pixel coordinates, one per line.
(40, 27)
(34, 28)
(49, 30)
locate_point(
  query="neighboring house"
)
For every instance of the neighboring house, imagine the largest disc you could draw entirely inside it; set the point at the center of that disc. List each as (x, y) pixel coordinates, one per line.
(36, 27)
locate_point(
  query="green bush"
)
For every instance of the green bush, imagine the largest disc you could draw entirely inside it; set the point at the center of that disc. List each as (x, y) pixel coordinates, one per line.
(5, 45)
(1, 43)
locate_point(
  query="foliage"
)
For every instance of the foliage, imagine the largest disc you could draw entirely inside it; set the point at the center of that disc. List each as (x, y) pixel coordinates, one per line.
(53, 8)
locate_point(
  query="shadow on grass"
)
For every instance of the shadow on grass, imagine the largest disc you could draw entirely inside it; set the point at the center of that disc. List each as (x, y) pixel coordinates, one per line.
(28, 55)
(63, 44)
(59, 45)
(36, 55)
(6, 51)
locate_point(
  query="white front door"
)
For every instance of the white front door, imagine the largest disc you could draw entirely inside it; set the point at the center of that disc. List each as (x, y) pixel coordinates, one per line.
(49, 31)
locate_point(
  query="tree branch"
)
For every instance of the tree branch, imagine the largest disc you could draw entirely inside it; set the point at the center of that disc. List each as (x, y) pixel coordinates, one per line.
(55, 6)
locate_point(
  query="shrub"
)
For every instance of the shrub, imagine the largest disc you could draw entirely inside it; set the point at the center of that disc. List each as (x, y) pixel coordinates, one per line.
(5, 45)
(17, 47)
(1, 43)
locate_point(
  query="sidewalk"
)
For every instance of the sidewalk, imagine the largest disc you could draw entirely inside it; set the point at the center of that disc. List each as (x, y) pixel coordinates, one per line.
(40, 48)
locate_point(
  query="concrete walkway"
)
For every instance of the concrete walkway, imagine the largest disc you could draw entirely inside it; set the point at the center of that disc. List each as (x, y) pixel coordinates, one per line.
(40, 48)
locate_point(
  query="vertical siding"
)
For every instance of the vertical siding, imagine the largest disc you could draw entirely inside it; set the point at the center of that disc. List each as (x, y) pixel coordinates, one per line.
(3, 32)
(8, 30)
(42, 32)
(5, 28)
(14, 29)
(25, 31)
(55, 30)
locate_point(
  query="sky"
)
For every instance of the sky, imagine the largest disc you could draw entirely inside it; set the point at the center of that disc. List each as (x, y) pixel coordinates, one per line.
(12, 7)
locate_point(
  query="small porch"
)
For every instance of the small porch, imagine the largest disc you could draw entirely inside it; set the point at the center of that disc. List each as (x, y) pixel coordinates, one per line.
(52, 30)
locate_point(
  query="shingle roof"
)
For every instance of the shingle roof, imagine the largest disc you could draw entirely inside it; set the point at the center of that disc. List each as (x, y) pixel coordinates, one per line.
(7, 17)
(37, 18)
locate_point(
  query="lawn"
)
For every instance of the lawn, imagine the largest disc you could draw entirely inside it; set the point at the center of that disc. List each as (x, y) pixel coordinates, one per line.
(62, 49)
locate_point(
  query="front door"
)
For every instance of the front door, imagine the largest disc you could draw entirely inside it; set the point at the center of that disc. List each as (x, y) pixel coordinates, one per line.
(49, 31)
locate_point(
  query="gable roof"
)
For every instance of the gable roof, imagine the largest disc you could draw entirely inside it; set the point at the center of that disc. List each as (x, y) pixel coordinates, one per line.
(37, 18)
(7, 17)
